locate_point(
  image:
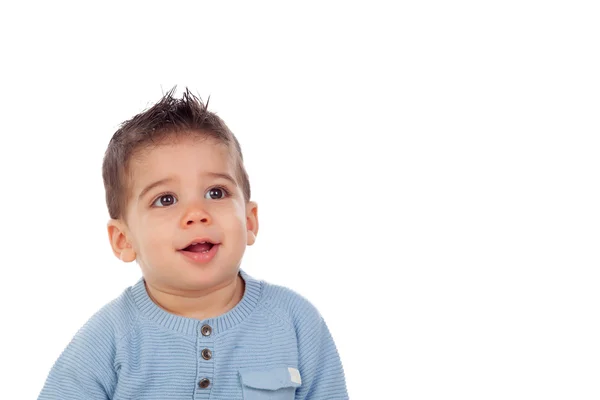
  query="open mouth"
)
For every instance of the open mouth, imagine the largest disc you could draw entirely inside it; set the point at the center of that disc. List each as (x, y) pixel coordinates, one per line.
(200, 247)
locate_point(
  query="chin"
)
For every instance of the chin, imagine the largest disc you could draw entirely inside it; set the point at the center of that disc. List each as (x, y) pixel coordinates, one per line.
(207, 277)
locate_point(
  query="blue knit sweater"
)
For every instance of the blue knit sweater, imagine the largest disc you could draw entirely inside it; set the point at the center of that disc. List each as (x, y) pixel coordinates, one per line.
(273, 344)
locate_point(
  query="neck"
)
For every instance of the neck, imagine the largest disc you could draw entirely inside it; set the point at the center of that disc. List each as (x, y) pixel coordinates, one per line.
(209, 304)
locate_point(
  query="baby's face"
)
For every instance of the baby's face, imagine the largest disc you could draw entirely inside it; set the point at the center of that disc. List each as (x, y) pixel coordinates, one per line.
(182, 193)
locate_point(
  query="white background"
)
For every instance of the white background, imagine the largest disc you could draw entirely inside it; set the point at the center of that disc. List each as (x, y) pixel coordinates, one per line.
(427, 175)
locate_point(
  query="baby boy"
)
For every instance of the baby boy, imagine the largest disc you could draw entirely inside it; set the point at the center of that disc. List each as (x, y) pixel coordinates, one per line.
(196, 325)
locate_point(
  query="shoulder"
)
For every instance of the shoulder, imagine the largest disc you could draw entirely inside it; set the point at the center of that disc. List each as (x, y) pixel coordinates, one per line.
(86, 366)
(290, 306)
(111, 322)
(319, 363)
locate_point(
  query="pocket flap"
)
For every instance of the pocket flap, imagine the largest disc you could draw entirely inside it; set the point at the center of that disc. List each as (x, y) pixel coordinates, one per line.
(271, 379)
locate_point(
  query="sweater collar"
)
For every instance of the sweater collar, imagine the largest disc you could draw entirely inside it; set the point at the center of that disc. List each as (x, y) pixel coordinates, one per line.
(191, 326)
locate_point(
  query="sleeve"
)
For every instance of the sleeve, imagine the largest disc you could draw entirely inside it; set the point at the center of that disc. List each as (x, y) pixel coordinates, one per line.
(320, 365)
(85, 368)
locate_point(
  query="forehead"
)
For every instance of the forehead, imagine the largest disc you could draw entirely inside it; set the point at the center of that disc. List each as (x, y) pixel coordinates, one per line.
(180, 157)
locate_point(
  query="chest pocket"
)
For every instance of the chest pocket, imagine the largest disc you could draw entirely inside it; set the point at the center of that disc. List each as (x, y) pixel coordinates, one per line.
(273, 384)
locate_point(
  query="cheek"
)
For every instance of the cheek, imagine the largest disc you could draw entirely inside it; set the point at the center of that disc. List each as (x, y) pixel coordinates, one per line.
(153, 234)
(235, 217)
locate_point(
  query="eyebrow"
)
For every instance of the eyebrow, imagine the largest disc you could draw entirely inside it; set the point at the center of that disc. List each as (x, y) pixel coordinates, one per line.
(153, 185)
(221, 175)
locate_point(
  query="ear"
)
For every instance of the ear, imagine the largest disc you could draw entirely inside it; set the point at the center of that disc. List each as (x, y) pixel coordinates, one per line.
(117, 235)
(251, 222)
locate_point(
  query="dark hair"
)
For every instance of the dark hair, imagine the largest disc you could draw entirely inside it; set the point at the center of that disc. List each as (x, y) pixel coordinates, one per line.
(169, 116)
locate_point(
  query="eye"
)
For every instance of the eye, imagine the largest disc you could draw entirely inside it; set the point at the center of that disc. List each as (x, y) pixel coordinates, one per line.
(216, 193)
(164, 200)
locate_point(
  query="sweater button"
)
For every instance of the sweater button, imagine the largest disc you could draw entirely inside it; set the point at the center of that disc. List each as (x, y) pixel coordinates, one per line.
(206, 354)
(206, 330)
(204, 383)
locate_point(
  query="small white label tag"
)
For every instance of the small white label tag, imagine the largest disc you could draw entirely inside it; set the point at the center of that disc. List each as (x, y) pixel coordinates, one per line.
(295, 375)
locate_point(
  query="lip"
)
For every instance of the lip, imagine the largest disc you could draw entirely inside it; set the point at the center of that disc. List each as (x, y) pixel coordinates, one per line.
(200, 240)
(201, 258)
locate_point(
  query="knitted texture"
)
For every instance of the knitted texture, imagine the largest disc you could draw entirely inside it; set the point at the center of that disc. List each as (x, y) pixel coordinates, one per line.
(273, 344)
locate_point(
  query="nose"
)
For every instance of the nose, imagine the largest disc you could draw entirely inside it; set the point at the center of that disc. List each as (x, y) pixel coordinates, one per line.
(195, 214)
